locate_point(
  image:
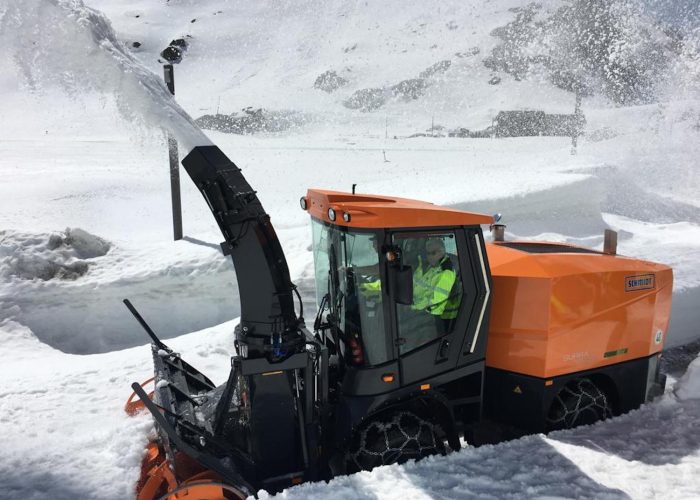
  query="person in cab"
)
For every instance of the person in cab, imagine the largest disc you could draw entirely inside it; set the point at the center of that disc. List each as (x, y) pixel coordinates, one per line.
(433, 283)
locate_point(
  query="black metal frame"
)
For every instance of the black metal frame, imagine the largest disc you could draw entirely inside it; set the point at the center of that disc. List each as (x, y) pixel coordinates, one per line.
(276, 442)
(269, 324)
(363, 394)
(280, 444)
(466, 326)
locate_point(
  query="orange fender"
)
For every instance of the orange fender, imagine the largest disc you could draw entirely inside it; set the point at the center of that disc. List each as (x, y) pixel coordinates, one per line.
(133, 406)
(158, 481)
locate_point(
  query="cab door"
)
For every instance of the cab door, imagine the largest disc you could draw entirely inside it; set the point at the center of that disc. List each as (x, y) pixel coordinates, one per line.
(430, 333)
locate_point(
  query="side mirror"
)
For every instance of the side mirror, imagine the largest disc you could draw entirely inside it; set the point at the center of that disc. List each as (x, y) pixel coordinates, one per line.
(402, 284)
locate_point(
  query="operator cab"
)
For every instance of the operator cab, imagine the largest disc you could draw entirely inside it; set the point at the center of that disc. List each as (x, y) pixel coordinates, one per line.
(402, 288)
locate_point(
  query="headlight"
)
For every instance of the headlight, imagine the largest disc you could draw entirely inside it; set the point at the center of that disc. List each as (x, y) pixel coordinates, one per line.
(331, 214)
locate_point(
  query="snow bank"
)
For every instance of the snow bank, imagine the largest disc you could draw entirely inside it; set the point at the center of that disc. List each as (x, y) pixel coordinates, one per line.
(65, 434)
(178, 288)
(674, 244)
(688, 387)
(21, 342)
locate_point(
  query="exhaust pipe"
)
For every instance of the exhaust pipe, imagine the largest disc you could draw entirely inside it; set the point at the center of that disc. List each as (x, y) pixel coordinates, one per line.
(610, 242)
(498, 232)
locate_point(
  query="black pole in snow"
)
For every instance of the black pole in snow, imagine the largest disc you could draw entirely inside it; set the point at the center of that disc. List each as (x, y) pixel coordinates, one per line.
(577, 122)
(169, 75)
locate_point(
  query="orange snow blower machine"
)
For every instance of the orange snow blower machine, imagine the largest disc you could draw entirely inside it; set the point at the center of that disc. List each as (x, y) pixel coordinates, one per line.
(425, 335)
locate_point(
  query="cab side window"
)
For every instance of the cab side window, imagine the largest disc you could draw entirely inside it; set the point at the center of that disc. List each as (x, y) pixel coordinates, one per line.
(437, 288)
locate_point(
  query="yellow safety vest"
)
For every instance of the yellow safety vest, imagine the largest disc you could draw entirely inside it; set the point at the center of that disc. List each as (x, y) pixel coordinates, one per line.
(432, 288)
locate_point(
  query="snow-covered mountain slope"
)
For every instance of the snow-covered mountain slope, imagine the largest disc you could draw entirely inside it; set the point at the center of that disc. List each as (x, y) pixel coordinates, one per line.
(81, 148)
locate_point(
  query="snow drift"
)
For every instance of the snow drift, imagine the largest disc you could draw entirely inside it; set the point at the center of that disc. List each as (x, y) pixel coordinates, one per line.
(688, 387)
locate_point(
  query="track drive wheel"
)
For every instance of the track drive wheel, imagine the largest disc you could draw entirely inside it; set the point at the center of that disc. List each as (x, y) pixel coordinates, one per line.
(393, 438)
(580, 402)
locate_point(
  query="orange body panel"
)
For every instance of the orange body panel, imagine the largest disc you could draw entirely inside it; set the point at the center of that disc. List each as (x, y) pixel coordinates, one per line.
(159, 481)
(158, 478)
(376, 212)
(558, 313)
(133, 405)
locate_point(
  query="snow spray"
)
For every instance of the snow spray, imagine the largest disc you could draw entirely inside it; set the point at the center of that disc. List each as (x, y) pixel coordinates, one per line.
(66, 42)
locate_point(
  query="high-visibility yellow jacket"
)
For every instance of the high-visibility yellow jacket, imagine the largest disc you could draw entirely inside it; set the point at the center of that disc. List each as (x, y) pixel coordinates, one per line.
(432, 289)
(372, 287)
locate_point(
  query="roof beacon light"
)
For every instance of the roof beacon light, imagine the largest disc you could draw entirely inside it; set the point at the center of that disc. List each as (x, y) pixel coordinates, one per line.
(331, 214)
(302, 202)
(346, 216)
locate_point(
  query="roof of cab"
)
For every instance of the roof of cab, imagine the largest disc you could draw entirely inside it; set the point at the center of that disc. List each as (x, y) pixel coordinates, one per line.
(373, 211)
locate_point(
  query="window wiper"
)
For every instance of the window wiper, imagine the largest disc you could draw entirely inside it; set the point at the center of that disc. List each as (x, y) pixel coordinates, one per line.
(335, 300)
(336, 296)
(335, 311)
(334, 280)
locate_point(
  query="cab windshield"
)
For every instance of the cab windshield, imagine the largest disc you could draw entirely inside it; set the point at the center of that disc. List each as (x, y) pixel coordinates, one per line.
(346, 265)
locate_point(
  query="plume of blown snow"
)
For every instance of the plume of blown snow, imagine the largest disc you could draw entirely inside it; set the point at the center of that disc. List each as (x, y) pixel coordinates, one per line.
(685, 77)
(614, 48)
(65, 42)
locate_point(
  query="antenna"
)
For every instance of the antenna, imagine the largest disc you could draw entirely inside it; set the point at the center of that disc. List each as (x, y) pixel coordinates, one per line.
(353, 188)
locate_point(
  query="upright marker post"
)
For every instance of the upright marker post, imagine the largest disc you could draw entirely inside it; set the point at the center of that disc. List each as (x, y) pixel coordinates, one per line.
(578, 122)
(169, 75)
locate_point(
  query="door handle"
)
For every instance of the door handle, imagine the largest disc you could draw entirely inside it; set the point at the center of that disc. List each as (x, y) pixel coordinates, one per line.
(443, 351)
